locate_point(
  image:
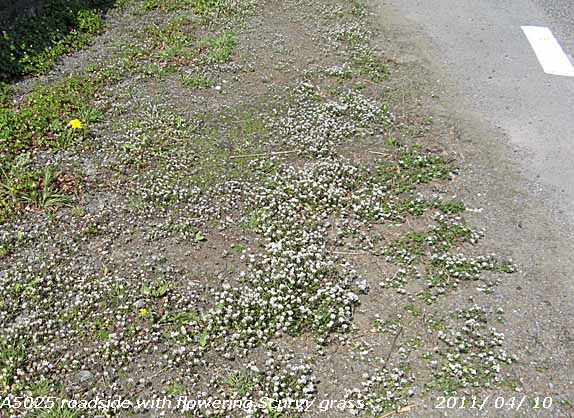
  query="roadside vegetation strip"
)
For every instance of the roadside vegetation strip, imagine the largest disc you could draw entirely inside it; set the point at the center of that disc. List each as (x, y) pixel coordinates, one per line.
(294, 286)
(467, 356)
(204, 7)
(116, 287)
(364, 61)
(52, 116)
(44, 119)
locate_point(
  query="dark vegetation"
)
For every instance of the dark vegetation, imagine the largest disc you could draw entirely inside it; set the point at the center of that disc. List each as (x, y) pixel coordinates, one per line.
(30, 45)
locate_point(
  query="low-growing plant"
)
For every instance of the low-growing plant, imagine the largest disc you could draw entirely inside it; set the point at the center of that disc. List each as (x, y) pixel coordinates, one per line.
(219, 48)
(156, 289)
(13, 354)
(196, 81)
(451, 206)
(57, 411)
(22, 186)
(411, 168)
(43, 118)
(202, 7)
(6, 93)
(242, 382)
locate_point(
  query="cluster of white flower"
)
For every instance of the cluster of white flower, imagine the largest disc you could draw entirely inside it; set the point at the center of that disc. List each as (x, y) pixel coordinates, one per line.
(339, 71)
(295, 283)
(364, 59)
(69, 317)
(315, 125)
(384, 390)
(474, 355)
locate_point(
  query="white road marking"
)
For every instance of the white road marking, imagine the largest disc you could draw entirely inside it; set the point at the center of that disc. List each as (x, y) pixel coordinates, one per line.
(548, 51)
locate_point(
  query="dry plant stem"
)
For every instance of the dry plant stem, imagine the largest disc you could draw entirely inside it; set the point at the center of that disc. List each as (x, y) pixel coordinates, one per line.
(265, 154)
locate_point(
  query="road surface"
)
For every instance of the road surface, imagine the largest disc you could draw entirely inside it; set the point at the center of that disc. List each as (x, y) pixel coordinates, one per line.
(486, 53)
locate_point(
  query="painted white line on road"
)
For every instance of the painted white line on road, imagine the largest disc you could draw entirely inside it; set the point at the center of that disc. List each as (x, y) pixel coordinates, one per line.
(548, 51)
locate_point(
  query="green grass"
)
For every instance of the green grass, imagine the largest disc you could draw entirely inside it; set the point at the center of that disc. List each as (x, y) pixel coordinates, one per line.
(13, 354)
(173, 44)
(368, 63)
(202, 7)
(42, 118)
(359, 8)
(242, 382)
(42, 121)
(238, 248)
(22, 186)
(255, 219)
(411, 168)
(58, 411)
(175, 388)
(5, 250)
(365, 60)
(196, 82)
(413, 310)
(48, 195)
(157, 289)
(219, 49)
(33, 44)
(6, 94)
(451, 206)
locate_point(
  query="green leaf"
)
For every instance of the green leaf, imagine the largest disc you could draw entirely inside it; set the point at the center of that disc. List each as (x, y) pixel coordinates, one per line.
(199, 236)
(203, 339)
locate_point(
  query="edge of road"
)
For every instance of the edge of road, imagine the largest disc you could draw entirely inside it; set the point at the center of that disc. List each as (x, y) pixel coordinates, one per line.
(522, 219)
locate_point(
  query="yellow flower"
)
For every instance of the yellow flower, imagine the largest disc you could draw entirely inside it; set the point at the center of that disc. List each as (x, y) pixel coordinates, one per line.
(143, 311)
(75, 124)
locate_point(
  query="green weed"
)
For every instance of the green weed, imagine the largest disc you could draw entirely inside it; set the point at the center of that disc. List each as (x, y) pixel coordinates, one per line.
(175, 388)
(451, 206)
(196, 81)
(202, 7)
(157, 289)
(42, 119)
(58, 411)
(22, 186)
(242, 382)
(6, 93)
(412, 168)
(219, 49)
(13, 354)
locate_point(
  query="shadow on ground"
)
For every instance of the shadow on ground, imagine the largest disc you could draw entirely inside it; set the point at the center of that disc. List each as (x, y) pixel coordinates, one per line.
(32, 28)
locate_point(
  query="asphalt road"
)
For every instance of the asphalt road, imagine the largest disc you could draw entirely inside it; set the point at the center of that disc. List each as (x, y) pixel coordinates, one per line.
(486, 54)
